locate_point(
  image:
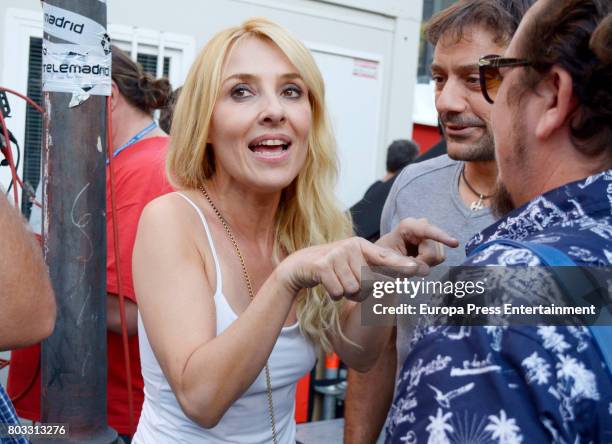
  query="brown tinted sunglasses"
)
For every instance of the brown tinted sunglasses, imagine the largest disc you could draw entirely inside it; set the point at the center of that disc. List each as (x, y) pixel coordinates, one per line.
(490, 78)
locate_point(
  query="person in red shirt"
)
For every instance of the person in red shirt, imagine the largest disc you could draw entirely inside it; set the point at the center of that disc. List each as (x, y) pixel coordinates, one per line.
(139, 152)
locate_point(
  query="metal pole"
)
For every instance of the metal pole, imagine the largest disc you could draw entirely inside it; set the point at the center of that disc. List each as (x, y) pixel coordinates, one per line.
(73, 360)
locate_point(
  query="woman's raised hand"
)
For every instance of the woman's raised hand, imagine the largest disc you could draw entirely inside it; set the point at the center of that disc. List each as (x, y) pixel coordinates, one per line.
(420, 239)
(338, 266)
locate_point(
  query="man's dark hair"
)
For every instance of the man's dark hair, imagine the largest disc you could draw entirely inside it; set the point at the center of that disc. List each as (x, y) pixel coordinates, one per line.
(400, 153)
(577, 36)
(500, 17)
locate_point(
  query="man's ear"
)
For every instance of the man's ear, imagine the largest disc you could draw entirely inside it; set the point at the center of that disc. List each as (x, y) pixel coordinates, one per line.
(557, 92)
(114, 95)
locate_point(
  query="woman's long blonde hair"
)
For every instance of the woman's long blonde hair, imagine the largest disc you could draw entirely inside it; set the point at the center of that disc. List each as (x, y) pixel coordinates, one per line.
(308, 213)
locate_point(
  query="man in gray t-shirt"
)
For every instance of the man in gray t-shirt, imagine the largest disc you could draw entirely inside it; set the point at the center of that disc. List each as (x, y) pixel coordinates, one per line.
(430, 190)
(452, 194)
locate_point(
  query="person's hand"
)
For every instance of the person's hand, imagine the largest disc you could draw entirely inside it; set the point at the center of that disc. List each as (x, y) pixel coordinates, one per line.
(338, 266)
(419, 239)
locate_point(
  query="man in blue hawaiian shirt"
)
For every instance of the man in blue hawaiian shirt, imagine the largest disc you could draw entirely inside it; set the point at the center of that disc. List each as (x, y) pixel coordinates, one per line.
(8, 417)
(552, 121)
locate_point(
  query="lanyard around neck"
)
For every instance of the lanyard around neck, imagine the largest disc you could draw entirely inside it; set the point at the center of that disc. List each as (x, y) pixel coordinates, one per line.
(135, 139)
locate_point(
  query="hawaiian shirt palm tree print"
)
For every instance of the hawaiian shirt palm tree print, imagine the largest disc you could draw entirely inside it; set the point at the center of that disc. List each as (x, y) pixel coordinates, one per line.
(516, 384)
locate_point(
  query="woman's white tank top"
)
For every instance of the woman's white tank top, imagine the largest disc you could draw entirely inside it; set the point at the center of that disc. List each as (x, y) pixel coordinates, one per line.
(247, 420)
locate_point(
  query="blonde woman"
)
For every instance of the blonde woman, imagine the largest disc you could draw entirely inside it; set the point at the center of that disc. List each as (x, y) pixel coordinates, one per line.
(243, 272)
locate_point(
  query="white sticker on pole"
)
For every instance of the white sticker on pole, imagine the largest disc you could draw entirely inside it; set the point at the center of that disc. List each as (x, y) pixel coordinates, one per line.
(82, 65)
(72, 27)
(73, 69)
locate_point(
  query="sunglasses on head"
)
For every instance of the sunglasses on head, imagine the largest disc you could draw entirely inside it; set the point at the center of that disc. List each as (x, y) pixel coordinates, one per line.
(490, 78)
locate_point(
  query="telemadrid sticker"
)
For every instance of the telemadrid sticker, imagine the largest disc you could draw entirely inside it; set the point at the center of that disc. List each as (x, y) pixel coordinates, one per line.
(81, 65)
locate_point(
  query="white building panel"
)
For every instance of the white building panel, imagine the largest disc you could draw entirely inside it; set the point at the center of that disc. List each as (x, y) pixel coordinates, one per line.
(366, 50)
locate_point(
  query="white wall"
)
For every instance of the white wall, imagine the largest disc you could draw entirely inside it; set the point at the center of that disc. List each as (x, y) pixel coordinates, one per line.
(424, 104)
(368, 115)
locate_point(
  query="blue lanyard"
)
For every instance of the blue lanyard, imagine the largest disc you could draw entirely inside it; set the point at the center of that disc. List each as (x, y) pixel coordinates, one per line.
(134, 139)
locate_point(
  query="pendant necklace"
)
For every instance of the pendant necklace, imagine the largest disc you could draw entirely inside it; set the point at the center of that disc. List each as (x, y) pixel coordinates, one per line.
(477, 204)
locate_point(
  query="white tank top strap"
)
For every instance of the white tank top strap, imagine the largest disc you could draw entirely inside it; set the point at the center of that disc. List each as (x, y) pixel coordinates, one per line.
(210, 242)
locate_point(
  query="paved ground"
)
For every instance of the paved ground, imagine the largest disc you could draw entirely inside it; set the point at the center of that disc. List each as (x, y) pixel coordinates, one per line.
(329, 432)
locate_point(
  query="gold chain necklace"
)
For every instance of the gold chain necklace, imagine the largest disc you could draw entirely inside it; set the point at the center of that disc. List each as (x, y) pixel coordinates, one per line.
(250, 290)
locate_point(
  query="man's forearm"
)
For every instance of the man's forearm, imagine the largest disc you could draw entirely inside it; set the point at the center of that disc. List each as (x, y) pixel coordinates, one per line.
(26, 298)
(113, 315)
(371, 339)
(368, 398)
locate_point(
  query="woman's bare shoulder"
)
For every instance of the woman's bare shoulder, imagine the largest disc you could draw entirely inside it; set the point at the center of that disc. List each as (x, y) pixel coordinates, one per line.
(170, 219)
(167, 202)
(171, 208)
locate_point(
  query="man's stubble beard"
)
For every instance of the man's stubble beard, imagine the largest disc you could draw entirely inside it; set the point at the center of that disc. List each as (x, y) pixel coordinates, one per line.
(502, 202)
(483, 150)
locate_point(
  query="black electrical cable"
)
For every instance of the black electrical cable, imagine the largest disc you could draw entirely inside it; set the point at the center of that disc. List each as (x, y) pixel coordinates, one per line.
(26, 188)
(6, 134)
(16, 166)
